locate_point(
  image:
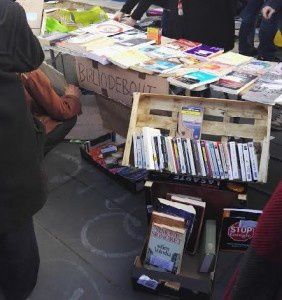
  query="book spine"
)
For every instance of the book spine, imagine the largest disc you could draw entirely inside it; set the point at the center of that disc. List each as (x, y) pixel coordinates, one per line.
(214, 160)
(139, 152)
(210, 162)
(181, 156)
(247, 162)
(228, 160)
(241, 159)
(176, 155)
(234, 160)
(171, 159)
(191, 157)
(165, 153)
(196, 157)
(161, 156)
(218, 160)
(154, 151)
(143, 152)
(186, 155)
(223, 160)
(254, 160)
(206, 162)
(201, 159)
(136, 164)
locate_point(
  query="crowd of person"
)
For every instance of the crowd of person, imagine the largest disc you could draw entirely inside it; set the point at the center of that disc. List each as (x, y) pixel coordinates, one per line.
(34, 118)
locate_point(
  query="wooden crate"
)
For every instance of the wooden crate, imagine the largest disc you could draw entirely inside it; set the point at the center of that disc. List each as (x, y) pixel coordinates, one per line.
(161, 111)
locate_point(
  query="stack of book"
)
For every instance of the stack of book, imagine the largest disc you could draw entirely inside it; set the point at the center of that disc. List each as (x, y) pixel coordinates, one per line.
(175, 228)
(218, 160)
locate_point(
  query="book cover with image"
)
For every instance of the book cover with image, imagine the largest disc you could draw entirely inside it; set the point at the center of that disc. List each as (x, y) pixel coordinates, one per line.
(193, 79)
(165, 247)
(156, 66)
(234, 82)
(205, 52)
(190, 121)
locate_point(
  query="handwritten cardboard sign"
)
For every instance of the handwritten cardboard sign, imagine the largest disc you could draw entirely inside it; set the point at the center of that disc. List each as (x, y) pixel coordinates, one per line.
(116, 83)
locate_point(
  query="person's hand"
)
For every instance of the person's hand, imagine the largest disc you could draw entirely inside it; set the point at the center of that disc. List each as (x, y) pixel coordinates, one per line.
(268, 12)
(72, 90)
(130, 22)
(118, 16)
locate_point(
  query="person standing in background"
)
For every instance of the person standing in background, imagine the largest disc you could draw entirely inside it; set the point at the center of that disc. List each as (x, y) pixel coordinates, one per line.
(22, 191)
(268, 28)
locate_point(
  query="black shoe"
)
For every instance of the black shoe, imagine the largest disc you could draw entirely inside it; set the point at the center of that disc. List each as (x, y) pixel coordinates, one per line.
(273, 59)
(252, 52)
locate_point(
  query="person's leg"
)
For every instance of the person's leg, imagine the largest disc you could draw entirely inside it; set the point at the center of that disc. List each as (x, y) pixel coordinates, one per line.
(247, 29)
(19, 262)
(58, 134)
(268, 30)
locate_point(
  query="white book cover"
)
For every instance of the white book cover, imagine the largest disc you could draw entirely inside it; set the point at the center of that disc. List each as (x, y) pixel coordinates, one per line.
(234, 160)
(223, 160)
(218, 160)
(154, 153)
(202, 164)
(181, 156)
(208, 151)
(143, 153)
(241, 159)
(185, 150)
(254, 160)
(191, 158)
(148, 149)
(161, 156)
(247, 162)
(228, 160)
(136, 165)
(139, 152)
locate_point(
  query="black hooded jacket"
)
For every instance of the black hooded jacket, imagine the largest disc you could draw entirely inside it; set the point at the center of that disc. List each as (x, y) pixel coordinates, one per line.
(21, 184)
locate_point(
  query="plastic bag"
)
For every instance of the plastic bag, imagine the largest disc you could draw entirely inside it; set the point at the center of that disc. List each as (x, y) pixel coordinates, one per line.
(67, 20)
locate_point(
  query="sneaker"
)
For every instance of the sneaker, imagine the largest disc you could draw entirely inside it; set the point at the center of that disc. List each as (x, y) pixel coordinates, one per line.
(273, 59)
(276, 123)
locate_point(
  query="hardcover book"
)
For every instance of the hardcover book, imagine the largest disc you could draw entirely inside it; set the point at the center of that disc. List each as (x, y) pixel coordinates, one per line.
(238, 228)
(165, 247)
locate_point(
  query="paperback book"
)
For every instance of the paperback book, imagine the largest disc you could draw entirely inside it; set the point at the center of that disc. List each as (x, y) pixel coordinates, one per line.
(193, 79)
(190, 120)
(232, 58)
(238, 228)
(156, 66)
(165, 248)
(205, 52)
(256, 67)
(234, 82)
(183, 45)
(107, 28)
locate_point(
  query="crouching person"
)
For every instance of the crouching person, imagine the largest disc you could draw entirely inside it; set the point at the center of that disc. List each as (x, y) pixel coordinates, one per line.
(57, 113)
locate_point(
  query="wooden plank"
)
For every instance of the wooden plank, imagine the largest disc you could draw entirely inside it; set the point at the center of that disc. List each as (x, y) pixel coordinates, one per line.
(232, 129)
(131, 130)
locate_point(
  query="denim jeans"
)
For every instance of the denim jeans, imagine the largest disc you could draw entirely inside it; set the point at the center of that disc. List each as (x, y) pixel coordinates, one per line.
(268, 29)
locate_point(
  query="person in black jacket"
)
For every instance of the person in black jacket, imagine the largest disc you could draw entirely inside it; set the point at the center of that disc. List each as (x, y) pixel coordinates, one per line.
(21, 186)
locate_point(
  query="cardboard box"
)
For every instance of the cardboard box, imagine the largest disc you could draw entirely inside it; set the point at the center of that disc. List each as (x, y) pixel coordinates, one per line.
(34, 12)
(116, 83)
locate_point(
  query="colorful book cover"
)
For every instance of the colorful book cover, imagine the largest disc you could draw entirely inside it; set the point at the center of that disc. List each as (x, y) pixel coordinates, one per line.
(183, 45)
(205, 51)
(165, 247)
(193, 79)
(156, 66)
(190, 122)
(238, 228)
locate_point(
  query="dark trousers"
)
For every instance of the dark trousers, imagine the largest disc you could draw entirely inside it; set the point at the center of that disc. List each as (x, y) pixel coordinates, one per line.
(58, 134)
(19, 262)
(268, 29)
